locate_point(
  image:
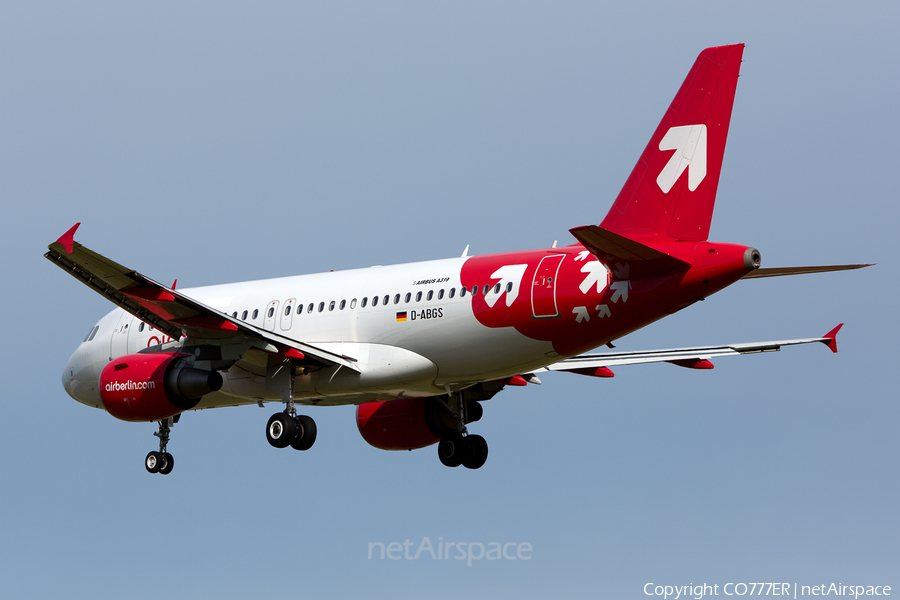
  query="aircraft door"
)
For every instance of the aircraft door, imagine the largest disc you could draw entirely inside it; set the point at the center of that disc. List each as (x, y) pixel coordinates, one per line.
(543, 288)
(118, 342)
(287, 314)
(271, 316)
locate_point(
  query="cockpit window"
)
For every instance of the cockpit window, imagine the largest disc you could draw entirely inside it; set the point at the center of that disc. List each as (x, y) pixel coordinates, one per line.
(91, 333)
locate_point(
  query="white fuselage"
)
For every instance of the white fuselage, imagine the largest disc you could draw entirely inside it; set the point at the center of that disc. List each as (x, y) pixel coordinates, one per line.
(356, 313)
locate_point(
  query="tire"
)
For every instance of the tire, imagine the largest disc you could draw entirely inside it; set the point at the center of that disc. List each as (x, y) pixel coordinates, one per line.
(168, 464)
(153, 462)
(451, 450)
(474, 411)
(476, 452)
(280, 430)
(306, 433)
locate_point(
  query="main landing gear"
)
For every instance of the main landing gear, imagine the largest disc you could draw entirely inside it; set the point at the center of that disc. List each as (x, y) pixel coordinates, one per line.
(459, 447)
(290, 429)
(161, 462)
(287, 428)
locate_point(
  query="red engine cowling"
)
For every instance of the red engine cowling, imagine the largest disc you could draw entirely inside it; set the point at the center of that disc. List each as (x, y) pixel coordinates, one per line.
(152, 387)
(396, 424)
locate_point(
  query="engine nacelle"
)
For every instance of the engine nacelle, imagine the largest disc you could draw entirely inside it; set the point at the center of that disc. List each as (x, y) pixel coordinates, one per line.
(396, 424)
(152, 387)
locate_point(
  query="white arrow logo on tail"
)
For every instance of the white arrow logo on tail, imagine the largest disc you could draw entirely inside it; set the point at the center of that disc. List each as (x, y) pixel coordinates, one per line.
(596, 275)
(506, 274)
(603, 310)
(689, 144)
(581, 314)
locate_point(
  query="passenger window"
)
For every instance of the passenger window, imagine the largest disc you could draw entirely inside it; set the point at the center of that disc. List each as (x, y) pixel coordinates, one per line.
(375, 301)
(287, 310)
(255, 313)
(234, 314)
(508, 287)
(487, 288)
(331, 306)
(451, 294)
(243, 316)
(353, 303)
(440, 295)
(299, 309)
(321, 306)
(141, 327)
(271, 311)
(474, 290)
(385, 299)
(363, 303)
(462, 292)
(408, 296)
(497, 288)
(418, 297)
(397, 299)
(309, 308)
(343, 304)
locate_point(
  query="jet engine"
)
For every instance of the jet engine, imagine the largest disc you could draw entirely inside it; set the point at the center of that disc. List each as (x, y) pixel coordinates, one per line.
(408, 423)
(152, 387)
(396, 424)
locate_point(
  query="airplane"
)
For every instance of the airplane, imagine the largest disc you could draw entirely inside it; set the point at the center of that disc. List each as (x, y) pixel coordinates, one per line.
(418, 347)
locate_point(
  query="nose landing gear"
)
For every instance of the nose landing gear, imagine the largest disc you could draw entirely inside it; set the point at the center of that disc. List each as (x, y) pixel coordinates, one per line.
(161, 462)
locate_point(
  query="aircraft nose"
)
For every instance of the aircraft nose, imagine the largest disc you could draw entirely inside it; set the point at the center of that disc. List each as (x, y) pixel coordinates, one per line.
(80, 377)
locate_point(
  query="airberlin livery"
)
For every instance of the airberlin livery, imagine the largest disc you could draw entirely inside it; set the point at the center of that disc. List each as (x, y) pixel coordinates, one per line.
(418, 346)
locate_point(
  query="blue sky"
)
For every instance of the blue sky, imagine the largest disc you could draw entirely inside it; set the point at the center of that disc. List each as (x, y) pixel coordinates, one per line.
(216, 142)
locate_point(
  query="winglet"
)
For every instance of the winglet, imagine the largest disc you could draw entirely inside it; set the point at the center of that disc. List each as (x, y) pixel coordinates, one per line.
(830, 338)
(67, 239)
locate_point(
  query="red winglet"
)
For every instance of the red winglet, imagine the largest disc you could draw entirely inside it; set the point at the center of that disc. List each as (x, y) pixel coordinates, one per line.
(830, 338)
(207, 323)
(592, 372)
(67, 239)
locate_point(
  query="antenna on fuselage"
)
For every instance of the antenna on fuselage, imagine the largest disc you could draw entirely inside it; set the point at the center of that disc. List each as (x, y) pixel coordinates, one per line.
(466, 251)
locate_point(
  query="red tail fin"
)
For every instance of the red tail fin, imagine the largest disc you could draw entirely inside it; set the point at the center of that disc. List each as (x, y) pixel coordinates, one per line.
(670, 195)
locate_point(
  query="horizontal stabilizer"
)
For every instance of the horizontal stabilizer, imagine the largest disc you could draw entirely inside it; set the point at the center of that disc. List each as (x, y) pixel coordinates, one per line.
(781, 271)
(628, 259)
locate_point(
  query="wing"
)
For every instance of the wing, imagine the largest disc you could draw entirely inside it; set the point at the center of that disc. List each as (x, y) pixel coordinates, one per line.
(171, 311)
(597, 365)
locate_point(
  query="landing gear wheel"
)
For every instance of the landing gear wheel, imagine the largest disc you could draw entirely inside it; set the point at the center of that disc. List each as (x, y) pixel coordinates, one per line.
(451, 451)
(153, 462)
(475, 452)
(474, 411)
(168, 464)
(306, 433)
(280, 430)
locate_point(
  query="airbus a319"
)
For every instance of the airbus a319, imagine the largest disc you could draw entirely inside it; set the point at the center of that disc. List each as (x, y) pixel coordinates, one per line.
(419, 346)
